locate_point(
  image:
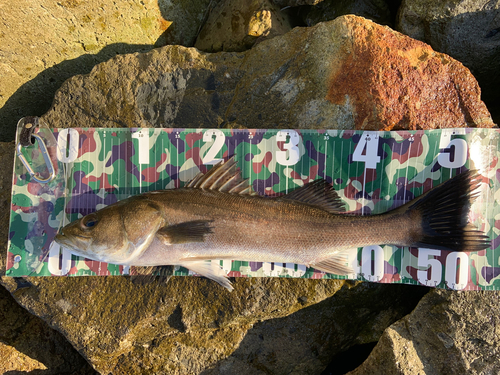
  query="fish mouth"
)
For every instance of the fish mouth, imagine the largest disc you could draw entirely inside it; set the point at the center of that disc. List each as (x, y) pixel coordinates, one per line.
(72, 242)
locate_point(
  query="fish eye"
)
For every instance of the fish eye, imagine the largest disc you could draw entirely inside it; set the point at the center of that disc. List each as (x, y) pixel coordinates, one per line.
(89, 221)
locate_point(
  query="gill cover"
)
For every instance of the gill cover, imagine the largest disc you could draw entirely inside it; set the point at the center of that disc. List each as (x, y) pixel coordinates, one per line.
(118, 233)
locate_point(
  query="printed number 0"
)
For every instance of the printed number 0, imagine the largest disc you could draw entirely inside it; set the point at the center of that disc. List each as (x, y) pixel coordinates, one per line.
(67, 145)
(451, 270)
(55, 253)
(220, 137)
(291, 147)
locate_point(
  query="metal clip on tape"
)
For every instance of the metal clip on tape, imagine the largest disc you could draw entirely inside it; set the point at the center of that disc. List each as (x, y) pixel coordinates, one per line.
(26, 134)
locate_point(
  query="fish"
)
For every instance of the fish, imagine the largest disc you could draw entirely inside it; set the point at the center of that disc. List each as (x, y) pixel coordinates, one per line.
(217, 215)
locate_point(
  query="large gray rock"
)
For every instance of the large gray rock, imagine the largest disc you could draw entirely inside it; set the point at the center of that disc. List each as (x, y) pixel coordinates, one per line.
(44, 42)
(448, 333)
(327, 76)
(467, 30)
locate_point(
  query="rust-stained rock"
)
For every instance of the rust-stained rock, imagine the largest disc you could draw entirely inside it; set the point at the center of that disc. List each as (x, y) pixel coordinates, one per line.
(349, 73)
(395, 82)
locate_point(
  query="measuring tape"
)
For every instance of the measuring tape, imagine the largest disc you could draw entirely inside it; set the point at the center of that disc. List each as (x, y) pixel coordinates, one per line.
(372, 172)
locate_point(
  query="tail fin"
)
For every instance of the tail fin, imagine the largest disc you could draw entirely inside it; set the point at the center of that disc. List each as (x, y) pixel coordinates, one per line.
(444, 211)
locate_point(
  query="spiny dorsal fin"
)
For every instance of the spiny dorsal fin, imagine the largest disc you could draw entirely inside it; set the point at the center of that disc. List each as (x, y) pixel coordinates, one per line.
(225, 177)
(320, 194)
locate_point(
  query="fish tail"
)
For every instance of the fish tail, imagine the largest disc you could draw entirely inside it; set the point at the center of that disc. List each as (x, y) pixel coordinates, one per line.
(444, 212)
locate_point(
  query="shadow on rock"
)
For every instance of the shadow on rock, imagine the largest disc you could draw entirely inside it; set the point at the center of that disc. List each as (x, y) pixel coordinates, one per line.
(37, 347)
(34, 98)
(333, 336)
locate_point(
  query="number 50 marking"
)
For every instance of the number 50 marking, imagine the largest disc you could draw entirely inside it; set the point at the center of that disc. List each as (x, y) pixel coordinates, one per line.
(426, 259)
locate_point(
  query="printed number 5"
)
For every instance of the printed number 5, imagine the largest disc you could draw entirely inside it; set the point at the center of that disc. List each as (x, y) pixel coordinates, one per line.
(453, 152)
(291, 146)
(426, 259)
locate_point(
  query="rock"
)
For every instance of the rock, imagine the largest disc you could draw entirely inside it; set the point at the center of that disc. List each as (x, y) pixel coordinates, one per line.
(191, 325)
(295, 3)
(45, 42)
(27, 343)
(236, 25)
(448, 333)
(375, 10)
(349, 73)
(466, 30)
(184, 20)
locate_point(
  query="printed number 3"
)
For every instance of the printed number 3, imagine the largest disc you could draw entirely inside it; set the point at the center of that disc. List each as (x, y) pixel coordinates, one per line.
(292, 147)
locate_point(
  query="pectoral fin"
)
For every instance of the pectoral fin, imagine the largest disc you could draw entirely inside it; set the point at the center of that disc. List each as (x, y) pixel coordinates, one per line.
(208, 269)
(191, 231)
(337, 264)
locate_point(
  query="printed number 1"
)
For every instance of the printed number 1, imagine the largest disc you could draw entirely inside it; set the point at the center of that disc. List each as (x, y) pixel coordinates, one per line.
(369, 144)
(142, 137)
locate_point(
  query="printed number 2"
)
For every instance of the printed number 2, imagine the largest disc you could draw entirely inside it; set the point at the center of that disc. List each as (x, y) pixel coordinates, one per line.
(292, 147)
(368, 143)
(453, 151)
(217, 145)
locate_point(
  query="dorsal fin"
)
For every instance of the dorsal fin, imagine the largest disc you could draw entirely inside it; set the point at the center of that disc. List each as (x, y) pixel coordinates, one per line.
(320, 194)
(225, 177)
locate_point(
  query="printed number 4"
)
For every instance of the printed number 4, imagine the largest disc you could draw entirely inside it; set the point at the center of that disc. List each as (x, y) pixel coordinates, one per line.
(368, 144)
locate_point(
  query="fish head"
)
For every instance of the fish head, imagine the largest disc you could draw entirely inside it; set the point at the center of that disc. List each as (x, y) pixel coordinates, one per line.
(118, 233)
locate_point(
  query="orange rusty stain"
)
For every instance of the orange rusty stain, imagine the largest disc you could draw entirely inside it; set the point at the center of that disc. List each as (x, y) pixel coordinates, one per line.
(164, 24)
(395, 83)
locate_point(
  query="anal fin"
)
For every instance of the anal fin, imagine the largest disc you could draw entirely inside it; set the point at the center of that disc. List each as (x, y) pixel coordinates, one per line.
(336, 264)
(210, 270)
